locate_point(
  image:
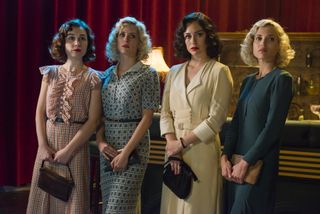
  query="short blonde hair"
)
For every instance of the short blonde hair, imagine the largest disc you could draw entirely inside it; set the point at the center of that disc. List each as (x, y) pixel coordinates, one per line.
(144, 46)
(286, 53)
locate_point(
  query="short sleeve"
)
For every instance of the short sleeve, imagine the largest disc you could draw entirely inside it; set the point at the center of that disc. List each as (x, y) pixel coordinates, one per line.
(151, 90)
(47, 72)
(95, 80)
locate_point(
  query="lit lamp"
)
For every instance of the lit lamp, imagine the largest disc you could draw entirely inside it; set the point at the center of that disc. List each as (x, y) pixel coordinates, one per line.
(156, 61)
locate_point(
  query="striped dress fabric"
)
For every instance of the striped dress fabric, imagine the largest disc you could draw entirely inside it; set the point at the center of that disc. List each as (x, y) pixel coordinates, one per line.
(68, 97)
(125, 98)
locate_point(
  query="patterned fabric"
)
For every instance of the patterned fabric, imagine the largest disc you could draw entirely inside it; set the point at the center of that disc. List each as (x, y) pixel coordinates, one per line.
(125, 98)
(70, 96)
(63, 98)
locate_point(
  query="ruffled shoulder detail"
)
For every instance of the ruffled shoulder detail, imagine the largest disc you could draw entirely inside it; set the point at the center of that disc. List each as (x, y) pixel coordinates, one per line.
(68, 85)
(56, 94)
(48, 71)
(100, 74)
(95, 78)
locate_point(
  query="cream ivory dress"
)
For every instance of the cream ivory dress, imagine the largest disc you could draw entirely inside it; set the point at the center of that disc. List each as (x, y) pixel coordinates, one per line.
(201, 108)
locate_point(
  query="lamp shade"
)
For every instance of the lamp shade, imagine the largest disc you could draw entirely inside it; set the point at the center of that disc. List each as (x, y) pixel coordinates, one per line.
(156, 60)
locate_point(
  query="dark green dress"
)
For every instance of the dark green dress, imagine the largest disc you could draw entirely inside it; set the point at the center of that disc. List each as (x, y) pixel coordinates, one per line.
(255, 132)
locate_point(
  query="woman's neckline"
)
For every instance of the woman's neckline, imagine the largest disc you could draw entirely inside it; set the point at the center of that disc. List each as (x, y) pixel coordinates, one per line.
(260, 76)
(75, 72)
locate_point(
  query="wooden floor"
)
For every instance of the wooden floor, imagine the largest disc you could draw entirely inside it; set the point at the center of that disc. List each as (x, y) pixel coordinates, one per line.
(294, 196)
(13, 200)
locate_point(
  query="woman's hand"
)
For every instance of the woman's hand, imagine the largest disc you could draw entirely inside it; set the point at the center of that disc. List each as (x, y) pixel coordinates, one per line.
(47, 152)
(176, 165)
(63, 156)
(239, 171)
(108, 151)
(120, 162)
(173, 147)
(226, 167)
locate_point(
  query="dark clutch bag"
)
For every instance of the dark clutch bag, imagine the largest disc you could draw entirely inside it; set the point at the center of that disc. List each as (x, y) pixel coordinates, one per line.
(179, 184)
(133, 159)
(54, 184)
(253, 171)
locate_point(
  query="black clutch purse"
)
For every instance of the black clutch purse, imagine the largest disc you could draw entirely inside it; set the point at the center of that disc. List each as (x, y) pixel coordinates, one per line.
(133, 159)
(54, 184)
(179, 184)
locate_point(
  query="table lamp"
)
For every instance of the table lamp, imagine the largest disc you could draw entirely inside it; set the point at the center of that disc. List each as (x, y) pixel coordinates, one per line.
(156, 61)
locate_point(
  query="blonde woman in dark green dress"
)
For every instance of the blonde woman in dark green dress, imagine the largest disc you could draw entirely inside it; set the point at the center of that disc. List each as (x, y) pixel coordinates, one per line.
(257, 124)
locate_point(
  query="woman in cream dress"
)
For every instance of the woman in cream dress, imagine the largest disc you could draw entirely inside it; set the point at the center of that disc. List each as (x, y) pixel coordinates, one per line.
(194, 107)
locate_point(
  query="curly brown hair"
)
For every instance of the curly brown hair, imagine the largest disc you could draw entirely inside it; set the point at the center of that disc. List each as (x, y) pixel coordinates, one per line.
(57, 48)
(213, 43)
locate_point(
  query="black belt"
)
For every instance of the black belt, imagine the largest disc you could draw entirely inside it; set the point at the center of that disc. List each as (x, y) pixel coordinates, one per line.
(60, 120)
(123, 120)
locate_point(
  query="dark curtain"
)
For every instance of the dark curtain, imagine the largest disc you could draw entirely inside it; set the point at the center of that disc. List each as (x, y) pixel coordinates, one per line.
(28, 26)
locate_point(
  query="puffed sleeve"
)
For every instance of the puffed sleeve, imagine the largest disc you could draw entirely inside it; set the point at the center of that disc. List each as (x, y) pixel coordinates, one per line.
(47, 72)
(151, 90)
(95, 80)
(219, 105)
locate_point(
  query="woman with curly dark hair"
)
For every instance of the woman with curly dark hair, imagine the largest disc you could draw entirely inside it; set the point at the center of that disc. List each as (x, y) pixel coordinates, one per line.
(68, 112)
(194, 107)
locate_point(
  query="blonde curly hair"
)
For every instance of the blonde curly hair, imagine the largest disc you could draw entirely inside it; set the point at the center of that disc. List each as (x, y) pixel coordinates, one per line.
(144, 46)
(286, 53)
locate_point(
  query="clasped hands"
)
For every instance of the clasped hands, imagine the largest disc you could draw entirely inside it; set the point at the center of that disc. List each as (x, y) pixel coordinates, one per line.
(62, 156)
(118, 159)
(235, 173)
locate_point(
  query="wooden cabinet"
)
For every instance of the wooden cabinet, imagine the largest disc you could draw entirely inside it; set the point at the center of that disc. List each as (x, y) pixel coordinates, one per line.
(305, 68)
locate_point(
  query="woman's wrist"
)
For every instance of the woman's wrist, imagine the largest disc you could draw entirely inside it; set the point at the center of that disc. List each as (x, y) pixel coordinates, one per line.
(101, 145)
(43, 145)
(125, 151)
(224, 157)
(183, 143)
(101, 142)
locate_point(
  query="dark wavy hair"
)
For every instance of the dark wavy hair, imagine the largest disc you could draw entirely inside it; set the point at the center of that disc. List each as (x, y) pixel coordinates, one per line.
(57, 48)
(214, 45)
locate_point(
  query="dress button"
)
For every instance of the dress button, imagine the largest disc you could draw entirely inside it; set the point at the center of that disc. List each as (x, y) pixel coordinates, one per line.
(180, 126)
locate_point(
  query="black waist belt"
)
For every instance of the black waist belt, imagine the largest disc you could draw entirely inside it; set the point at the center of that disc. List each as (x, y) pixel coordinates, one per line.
(60, 120)
(123, 120)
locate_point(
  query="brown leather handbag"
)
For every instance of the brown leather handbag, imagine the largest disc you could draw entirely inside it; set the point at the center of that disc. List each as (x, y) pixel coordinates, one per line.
(55, 184)
(253, 170)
